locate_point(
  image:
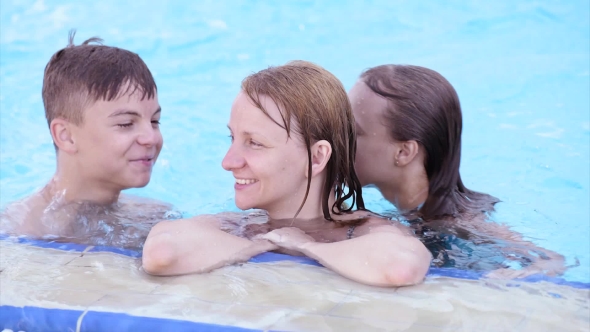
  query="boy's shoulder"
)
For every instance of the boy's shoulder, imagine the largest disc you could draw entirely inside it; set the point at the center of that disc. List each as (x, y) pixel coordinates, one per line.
(23, 216)
(147, 207)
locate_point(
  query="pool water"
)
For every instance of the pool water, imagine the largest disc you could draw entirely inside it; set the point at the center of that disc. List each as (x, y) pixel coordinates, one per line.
(522, 72)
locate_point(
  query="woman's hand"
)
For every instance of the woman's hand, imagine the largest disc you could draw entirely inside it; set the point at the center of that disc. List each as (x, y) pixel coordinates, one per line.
(290, 238)
(255, 231)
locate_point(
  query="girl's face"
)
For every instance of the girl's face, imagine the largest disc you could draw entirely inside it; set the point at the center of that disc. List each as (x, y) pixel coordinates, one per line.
(269, 167)
(374, 160)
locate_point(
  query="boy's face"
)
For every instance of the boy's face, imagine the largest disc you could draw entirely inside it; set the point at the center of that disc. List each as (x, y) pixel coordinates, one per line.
(119, 141)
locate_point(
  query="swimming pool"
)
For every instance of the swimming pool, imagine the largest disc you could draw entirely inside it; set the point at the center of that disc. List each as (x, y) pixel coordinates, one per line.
(522, 71)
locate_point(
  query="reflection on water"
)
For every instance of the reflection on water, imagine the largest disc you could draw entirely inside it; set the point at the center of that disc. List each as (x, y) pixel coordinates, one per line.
(455, 248)
(479, 244)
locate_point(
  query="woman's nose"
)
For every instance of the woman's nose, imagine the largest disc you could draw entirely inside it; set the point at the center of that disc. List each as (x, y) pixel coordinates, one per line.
(233, 159)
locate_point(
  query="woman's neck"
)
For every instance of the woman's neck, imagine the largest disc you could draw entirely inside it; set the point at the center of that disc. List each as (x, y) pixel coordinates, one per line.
(304, 224)
(311, 209)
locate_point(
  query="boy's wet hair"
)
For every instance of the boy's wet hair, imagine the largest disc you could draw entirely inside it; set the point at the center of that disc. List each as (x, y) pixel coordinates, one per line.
(79, 75)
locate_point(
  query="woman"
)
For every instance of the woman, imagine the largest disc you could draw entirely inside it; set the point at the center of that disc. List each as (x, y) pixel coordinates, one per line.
(408, 125)
(292, 155)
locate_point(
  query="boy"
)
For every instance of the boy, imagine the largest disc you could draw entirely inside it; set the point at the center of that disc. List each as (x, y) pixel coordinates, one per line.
(102, 109)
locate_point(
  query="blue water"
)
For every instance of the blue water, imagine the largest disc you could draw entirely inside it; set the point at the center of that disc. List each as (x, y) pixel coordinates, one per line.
(522, 71)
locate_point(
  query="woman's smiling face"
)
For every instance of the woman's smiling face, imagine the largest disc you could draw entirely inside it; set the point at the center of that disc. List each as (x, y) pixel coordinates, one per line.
(268, 165)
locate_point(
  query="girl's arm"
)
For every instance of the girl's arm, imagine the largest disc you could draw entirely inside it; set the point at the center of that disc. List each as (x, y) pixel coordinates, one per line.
(196, 245)
(544, 261)
(383, 256)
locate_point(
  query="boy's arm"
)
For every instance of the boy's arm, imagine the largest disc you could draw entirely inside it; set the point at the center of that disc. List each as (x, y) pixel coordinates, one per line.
(196, 245)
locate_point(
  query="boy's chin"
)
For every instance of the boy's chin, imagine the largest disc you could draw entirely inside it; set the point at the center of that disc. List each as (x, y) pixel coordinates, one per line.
(137, 183)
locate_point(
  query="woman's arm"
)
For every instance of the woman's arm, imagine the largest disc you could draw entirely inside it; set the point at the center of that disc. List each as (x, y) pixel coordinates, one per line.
(384, 256)
(196, 245)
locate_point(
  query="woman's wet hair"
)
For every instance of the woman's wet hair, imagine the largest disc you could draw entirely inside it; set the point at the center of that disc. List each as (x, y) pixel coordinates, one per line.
(424, 107)
(314, 105)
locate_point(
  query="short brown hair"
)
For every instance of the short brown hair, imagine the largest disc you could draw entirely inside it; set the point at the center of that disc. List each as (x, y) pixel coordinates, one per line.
(423, 106)
(77, 76)
(318, 103)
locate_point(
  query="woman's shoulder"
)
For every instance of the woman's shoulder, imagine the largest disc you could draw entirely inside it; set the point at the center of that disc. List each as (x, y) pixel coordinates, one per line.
(230, 222)
(363, 222)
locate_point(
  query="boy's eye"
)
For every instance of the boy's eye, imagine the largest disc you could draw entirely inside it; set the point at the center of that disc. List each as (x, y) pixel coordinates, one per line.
(156, 122)
(231, 137)
(125, 125)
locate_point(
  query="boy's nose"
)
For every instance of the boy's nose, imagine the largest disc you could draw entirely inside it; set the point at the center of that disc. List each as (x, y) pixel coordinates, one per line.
(149, 136)
(233, 159)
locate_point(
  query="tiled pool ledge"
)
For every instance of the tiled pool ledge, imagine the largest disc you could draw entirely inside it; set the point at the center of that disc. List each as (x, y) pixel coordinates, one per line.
(61, 287)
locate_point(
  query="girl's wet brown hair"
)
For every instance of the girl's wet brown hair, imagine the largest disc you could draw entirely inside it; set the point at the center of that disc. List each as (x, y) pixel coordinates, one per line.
(423, 106)
(314, 105)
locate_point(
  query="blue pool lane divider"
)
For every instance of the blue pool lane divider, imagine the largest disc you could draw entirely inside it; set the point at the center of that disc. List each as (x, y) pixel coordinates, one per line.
(33, 319)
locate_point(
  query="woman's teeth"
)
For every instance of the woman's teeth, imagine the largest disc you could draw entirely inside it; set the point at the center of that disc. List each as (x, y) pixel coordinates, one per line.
(245, 181)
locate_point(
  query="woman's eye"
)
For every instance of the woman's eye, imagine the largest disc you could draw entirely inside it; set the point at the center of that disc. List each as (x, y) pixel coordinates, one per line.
(254, 143)
(125, 125)
(231, 137)
(156, 122)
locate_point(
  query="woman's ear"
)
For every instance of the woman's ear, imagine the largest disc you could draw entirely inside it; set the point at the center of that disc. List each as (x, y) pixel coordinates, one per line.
(405, 152)
(61, 132)
(321, 151)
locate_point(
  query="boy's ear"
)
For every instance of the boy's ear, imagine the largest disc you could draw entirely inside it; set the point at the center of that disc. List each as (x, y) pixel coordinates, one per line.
(321, 151)
(61, 132)
(405, 152)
